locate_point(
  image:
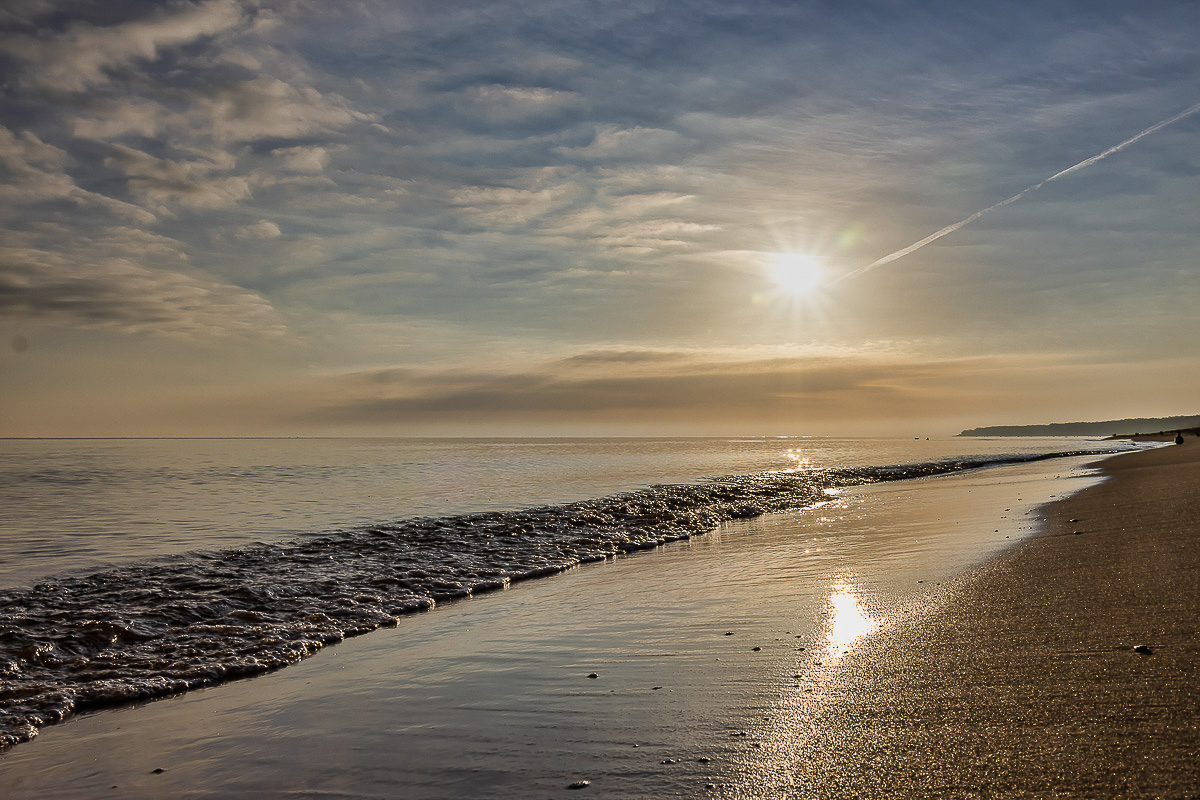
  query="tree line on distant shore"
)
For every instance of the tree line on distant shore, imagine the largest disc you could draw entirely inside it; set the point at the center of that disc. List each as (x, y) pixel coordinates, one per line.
(1116, 427)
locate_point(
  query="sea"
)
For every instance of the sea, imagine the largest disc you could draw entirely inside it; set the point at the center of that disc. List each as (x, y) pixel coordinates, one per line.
(133, 569)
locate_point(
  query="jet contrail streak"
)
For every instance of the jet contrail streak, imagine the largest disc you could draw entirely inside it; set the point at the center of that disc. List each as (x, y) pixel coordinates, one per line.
(1087, 162)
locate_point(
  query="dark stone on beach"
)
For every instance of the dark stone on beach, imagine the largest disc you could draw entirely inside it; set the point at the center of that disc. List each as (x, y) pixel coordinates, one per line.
(1073, 519)
(593, 675)
(655, 688)
(1143, 649)
(729, 633)
(756, 649)
(579, 785)
(669, 761)
(703, 759)
(1077, 533)
(157, 771)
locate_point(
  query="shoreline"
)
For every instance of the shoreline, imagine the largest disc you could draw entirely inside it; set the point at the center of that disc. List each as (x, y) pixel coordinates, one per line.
(693, 644)
(983, 690)
(1027, 684)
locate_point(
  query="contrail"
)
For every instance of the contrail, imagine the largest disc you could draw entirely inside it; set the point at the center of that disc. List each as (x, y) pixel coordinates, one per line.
(1087, 162)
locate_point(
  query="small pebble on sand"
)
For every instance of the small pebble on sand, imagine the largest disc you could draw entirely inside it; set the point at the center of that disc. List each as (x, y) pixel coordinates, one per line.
(579, 785)
(1143, 649)
(593, 675)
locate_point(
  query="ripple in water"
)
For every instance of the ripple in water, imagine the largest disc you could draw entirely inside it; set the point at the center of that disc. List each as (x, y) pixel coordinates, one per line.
(150, 630)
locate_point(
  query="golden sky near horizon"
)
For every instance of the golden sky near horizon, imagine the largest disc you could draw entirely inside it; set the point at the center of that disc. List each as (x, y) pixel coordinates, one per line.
(232, 217)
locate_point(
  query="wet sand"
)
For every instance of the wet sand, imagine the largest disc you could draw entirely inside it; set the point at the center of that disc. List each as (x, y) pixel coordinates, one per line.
(1028, 685)
(896, 644)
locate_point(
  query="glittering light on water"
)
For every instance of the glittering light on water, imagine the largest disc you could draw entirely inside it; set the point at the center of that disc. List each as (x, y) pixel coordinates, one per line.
(849, 622)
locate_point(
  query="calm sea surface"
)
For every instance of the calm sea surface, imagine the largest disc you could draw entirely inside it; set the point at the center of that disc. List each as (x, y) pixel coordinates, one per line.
(74, 504)
(135, 569)
(225, 559)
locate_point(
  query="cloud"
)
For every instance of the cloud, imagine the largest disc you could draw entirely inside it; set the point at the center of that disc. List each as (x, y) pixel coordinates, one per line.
(304, 159)
(36, 174)
(113, 118)
(500, 104)
(630, 383)
(263, 229)
(612, 142)
(85, 55)
(267, 107)
(107, 281)
(160, 182)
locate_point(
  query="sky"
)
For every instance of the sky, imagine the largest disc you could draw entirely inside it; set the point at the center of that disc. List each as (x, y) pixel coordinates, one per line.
(592, 217)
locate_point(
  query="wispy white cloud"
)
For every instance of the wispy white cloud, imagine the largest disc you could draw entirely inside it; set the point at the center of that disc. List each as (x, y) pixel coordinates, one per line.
(85, 54)
(263, 229)
(305, 159)
(629, 144)
(123, 280)
(160, 183)
(37, 174)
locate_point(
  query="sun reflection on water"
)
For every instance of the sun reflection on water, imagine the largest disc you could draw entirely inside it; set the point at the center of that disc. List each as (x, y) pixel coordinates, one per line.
(848, 623)
(799, 460)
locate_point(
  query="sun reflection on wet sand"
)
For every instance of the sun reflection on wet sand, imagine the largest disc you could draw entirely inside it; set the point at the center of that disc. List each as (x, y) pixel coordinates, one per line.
(774, 765)
(849, 622)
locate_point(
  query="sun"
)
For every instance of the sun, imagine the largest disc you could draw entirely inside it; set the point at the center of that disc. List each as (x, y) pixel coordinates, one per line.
(797, 274)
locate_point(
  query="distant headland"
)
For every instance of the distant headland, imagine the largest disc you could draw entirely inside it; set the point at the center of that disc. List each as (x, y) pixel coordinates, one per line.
(1115, 427)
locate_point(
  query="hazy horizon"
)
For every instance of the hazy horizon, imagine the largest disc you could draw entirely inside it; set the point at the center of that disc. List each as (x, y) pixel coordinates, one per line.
(250, 218)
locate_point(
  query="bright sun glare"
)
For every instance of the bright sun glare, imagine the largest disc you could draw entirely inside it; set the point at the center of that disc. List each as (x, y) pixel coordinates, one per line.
(797, 274)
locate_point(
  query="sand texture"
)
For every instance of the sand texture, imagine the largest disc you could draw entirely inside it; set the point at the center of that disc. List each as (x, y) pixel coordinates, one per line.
(1029, 685)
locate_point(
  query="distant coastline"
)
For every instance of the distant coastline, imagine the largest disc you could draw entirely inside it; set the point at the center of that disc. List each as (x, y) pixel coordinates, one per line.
(1110, 428)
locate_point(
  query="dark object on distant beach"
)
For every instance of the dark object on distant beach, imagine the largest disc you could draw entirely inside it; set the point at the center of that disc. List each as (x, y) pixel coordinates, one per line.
(756, 649)
(579, 785)
(593, 675)
(1143, 649)
(1179, 438)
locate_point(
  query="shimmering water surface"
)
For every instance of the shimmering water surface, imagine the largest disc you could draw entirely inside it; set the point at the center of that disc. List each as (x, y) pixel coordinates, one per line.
(228, 558)
(71, 504)
(711, 656)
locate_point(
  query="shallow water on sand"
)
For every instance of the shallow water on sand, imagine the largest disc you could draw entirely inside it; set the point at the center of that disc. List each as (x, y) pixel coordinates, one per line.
(491, 697)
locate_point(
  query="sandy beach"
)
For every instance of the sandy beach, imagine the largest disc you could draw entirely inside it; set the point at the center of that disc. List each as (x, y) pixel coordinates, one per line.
(752, 662)
(1029, 685)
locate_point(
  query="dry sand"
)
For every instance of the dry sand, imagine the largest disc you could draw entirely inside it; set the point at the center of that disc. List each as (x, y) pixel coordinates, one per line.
(1029, 685)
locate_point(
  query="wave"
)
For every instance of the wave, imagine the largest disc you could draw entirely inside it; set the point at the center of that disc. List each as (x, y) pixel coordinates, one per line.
(149, 630)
